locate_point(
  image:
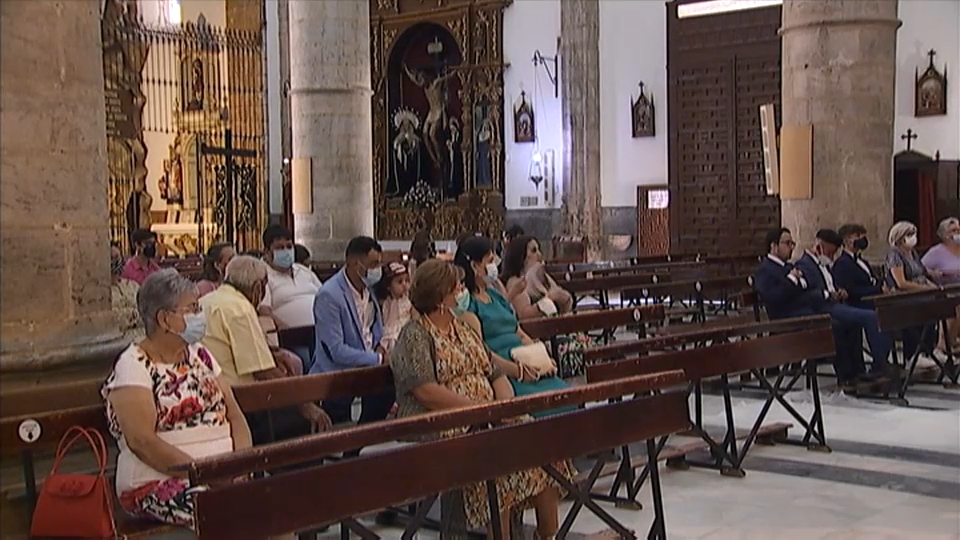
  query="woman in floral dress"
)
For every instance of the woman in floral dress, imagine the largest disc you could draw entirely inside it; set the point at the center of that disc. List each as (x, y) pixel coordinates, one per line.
(439, 363)
(166, 403)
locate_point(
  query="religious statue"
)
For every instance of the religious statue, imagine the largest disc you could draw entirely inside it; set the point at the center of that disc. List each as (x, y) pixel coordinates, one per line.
(436, 93)
(138, 207)
(406, 143)
(484, 137)
(642, 115)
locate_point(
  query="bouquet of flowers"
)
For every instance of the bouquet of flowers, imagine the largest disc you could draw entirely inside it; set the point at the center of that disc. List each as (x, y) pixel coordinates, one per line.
(421, 197)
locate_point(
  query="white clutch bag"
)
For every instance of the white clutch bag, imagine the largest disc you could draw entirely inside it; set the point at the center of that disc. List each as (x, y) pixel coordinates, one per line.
(547, 307)
(535, 358)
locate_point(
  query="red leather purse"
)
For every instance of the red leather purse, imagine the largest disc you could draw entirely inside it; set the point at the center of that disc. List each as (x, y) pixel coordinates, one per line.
(76, 505)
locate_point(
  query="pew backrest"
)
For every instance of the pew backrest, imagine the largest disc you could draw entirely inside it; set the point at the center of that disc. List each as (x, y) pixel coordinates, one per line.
(704, 362)
(291, 391)
(549, 327)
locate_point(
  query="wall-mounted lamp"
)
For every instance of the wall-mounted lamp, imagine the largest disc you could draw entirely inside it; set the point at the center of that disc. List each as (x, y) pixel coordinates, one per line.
(545, 61)
(536, 168)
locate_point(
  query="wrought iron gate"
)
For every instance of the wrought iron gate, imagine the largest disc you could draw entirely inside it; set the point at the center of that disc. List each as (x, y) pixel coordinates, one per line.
(185, 123)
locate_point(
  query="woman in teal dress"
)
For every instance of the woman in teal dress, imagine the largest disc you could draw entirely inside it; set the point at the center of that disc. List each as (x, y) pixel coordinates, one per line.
(488, 311)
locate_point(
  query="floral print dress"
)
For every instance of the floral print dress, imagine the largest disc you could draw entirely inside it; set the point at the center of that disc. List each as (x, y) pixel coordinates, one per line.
(458, 360)
(187, 396)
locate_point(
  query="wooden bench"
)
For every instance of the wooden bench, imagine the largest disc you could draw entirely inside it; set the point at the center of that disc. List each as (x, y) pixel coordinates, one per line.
(693, 296)
(35, 433)
(926, 310)
(601, 287)
(421, 471)
(814, 339)
(608, 321)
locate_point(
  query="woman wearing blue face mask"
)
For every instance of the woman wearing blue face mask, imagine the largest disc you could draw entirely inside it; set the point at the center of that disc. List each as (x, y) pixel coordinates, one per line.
(490, 313)
(167, 404)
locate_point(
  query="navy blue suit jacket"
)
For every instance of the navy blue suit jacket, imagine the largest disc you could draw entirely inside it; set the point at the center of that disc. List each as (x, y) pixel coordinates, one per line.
(848, 275)
(779, 294)
(816, 285)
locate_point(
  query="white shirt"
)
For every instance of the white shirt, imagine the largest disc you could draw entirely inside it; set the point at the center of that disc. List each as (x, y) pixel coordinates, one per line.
(290, 296)
(367, 311)
(862, 263)
(802, 283)
(827, 276)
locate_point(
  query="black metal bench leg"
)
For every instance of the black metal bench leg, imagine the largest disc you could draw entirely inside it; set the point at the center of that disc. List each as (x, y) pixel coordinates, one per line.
(577, 505)
(30, 482)
(493, 501)
(730, 441)
(634, 489)
(912, 362)
(423, 508)
(816, 421)
(658, 530)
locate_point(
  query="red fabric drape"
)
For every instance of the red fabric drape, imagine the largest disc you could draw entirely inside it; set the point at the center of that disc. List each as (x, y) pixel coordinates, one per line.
(927, 211)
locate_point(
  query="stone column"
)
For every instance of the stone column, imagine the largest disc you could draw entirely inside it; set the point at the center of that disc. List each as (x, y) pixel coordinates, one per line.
(580, 101)
(330, 113)
(839, 68)
(54, 224)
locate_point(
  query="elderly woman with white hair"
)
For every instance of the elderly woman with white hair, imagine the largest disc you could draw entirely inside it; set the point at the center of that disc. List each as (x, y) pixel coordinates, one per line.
(167, 403)
(942, 261)
(905, 272)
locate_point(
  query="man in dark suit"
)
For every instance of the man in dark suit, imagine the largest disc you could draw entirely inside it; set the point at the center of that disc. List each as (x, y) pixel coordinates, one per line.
(852, 321)
(783, 288)
(851, 273)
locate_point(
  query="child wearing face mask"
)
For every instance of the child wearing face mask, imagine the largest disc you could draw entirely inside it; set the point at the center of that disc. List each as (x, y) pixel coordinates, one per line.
(391, 292)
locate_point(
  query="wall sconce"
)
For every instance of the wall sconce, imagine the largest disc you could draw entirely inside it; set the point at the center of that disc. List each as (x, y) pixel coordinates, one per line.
(545, 61)
(536, 168)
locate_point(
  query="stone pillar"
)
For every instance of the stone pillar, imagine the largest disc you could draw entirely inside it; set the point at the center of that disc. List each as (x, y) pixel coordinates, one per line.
(839, 68)
(54, 224)
(580, 101)
(331, 123)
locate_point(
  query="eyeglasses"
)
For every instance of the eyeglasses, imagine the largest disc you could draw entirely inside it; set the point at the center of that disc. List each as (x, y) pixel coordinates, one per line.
(790, 243)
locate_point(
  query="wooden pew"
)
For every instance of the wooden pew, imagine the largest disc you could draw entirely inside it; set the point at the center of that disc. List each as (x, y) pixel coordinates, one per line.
(926, 310)
(552, 328)
(693, 296)
(601, 287)
(420, 471)
(35, 433)
(813, 339)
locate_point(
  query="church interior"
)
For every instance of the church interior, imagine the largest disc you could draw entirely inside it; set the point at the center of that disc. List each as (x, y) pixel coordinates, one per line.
(480, 268)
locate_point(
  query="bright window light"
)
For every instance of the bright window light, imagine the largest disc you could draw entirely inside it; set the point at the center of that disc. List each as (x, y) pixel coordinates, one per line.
(714, 7)
(173, 11)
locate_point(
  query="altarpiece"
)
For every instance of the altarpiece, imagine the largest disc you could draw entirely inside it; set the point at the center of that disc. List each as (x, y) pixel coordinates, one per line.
(437, 76)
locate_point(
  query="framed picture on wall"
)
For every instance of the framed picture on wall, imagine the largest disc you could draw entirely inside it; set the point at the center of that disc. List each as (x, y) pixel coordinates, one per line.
(524, 128)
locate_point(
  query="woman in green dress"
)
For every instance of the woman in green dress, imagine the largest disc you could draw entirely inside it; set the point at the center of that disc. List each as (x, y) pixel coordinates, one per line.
(490, 313)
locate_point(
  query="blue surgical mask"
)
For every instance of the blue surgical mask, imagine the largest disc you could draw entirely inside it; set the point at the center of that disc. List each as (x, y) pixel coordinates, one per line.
(373, 276)
(463, 302)
(283, 258)
(196, 327)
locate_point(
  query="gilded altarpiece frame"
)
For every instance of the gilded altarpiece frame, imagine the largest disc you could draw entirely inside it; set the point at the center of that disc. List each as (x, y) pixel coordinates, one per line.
(476, 27)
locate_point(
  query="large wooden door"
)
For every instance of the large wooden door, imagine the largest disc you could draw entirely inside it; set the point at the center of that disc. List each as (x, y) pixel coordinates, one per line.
(720, 69)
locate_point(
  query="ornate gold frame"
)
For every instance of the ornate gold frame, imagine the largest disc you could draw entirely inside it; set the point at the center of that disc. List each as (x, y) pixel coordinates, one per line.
(477, 27)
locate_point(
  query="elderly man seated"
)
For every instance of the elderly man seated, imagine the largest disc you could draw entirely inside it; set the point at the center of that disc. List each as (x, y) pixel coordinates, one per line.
(237, 341)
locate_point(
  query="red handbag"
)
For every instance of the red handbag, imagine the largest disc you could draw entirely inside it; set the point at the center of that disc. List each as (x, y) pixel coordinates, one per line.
(76, 505)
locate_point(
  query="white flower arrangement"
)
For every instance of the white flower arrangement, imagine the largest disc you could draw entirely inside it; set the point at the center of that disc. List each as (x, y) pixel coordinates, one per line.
(421, 197)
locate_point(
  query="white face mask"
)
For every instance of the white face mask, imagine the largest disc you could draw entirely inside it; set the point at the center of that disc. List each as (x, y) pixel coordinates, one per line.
(911, 241)
(956, 239)
(824, 260)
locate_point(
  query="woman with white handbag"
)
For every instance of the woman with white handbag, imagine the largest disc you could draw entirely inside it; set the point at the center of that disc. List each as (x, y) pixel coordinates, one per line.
(525, 361)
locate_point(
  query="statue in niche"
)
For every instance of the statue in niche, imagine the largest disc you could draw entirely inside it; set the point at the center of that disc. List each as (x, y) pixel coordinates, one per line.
(436, 93)
(485, 133)
(642, 115)
(406, 146)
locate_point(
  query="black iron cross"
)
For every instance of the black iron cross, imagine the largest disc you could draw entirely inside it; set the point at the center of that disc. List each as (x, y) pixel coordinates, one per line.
(909, 137)
(931, 53)
(229, 153)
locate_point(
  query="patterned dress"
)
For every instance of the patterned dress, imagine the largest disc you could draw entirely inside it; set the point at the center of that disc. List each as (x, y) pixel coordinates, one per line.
(187, 396)
(458, 360)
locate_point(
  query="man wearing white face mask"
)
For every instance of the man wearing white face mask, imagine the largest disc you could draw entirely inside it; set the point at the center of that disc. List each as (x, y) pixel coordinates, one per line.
(291, 287)
(349, 327)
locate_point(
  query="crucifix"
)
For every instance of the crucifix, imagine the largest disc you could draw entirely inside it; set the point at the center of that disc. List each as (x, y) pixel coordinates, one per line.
(909, 137)
(931, 53)
(230, 182)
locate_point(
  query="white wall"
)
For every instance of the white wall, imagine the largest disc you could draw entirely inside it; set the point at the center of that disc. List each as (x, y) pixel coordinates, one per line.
(529, 25)
(928, 24)
(633, 48)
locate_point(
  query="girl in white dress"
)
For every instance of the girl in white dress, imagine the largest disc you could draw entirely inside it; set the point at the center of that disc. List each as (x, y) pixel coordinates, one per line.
(391, 291)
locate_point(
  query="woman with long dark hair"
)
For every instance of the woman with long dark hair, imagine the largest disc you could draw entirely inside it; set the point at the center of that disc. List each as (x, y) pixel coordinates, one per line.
(489, 312)
(214, 266)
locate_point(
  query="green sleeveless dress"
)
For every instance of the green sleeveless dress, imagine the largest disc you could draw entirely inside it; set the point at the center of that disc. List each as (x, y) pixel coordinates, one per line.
(499, 324)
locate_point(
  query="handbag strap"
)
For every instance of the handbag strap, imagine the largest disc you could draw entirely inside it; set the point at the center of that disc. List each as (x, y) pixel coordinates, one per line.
(94, 440)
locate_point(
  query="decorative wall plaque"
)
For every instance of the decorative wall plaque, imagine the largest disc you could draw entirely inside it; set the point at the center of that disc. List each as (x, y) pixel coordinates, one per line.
(931, 90)
(524, 128)
(642, 115)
